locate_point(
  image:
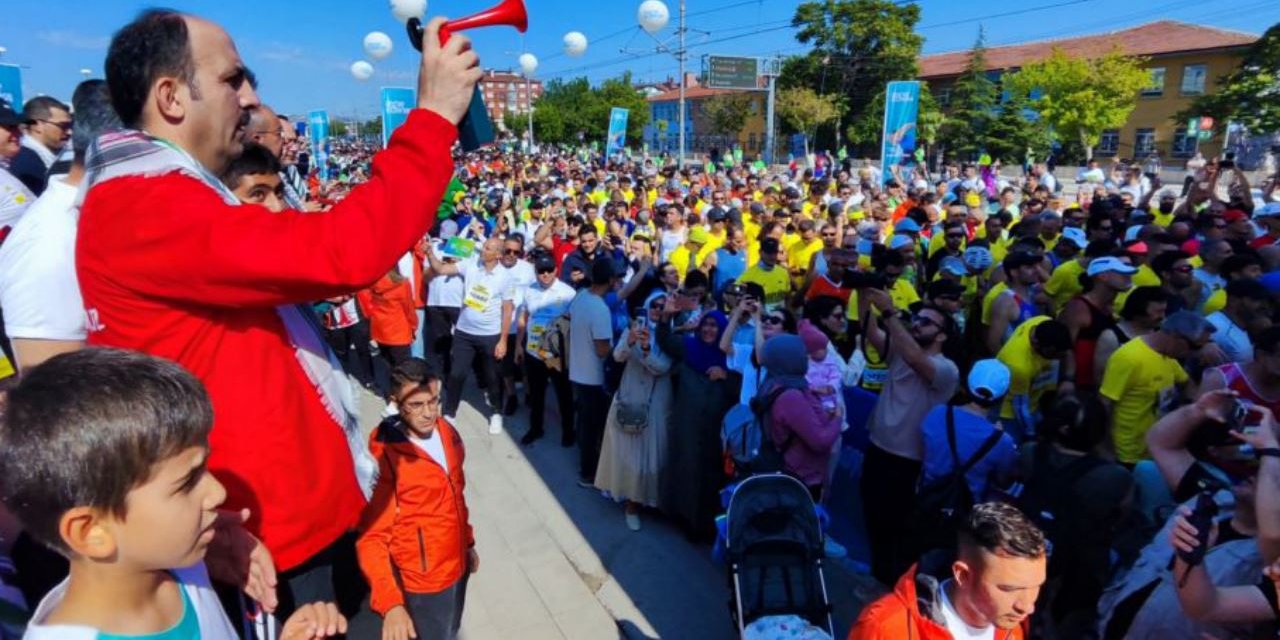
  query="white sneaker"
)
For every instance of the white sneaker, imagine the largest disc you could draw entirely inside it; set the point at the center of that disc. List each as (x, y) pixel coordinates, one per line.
(633, 521)
(495, 424)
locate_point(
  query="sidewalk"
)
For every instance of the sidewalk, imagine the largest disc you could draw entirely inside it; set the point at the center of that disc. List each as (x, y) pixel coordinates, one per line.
(557, 561)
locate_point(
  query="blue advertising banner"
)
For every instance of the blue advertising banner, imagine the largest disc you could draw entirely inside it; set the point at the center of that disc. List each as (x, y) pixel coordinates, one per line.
(617, 131)
(318, 127)
(11, 85)
(898, 144)
(396, 103)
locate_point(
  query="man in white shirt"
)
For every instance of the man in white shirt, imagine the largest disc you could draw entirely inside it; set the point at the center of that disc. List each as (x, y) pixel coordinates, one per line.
(1248, 304)
(444, 303)
(521, 273)
(590, 339)
(478, 338)
(541, 304)
(43, 313)
(47, 130)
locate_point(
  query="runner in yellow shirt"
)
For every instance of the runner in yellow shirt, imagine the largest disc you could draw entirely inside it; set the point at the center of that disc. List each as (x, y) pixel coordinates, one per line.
(1032, 354)
(769, 274)
(684, 257)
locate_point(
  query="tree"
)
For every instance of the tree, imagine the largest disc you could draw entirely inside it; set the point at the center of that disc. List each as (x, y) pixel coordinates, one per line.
(803, 110)
(868, 130)
(859, 46)
(974, 99)
(337, 128)
(569, 108)
(726, 115)
(1250, 95)
(1080, 98)
(1017, 132)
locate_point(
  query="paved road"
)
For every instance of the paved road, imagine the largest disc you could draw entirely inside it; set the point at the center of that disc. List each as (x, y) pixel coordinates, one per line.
(557, 560)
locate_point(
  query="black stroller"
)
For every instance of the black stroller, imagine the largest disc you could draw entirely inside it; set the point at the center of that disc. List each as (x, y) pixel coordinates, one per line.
(774, 550)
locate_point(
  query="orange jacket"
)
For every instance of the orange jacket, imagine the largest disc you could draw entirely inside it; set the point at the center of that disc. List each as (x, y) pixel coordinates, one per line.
(898, 615)
(416, 524)
(389, 305)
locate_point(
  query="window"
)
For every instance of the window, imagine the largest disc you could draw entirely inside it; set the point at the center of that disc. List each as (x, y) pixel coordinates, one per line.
(1108, 143)
(751, 141)
(1184, 146)
(1193, 76)
(1144, 142)
(944, 96)
(1156, 86)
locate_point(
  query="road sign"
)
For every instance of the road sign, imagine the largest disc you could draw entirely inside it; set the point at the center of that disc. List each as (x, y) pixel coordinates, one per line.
(725, 72)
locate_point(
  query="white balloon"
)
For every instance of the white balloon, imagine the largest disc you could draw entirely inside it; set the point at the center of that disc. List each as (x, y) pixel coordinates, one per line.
(405, 9)
(528, 63)
(378, 45)
(361, 70)
(653, 15)
(575, 44)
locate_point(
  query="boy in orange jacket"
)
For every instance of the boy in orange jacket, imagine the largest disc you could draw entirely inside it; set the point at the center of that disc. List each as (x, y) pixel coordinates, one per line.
(415, 530)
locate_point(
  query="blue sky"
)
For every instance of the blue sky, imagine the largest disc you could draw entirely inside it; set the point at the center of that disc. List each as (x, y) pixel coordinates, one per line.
(302, 51)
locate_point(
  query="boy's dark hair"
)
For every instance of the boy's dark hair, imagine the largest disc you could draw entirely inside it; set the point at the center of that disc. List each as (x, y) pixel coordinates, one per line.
(254, 160)
(1001, 529)
(413, 371)
(85, 428)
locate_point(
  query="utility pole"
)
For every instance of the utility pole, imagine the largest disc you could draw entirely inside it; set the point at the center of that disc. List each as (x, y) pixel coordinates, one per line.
(771, 69)
(681, 53)
(528, 107)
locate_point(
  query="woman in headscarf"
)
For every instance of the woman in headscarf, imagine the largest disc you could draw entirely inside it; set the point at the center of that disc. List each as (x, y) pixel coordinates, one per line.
(633, 453)
(801, 429)
(704, 393)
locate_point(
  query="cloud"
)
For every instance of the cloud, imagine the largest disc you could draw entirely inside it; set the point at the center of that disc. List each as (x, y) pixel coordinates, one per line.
(281, 52)
(73, 39)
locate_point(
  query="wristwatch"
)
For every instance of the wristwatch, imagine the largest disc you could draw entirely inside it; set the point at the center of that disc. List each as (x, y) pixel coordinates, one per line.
(1272, 452)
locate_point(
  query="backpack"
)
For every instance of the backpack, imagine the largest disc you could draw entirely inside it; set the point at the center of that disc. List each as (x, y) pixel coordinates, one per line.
(1046, 499)
(555, 342)
(744, 434)
(944, 503)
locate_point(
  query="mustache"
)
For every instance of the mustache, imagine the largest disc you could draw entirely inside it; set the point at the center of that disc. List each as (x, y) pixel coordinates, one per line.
(244, 119)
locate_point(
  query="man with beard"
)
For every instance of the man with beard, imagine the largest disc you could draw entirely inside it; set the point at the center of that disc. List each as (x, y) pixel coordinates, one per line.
(919, 378)
(47, 131)
(1011, 306)
(1177, 280)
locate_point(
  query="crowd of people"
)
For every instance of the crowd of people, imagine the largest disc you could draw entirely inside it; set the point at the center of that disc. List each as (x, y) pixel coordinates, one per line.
(1063, 395)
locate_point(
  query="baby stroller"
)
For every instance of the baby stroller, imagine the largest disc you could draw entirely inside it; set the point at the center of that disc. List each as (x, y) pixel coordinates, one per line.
(774, 551)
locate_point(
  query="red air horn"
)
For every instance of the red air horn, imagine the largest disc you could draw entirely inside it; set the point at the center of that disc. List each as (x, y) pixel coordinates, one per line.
(475, 130)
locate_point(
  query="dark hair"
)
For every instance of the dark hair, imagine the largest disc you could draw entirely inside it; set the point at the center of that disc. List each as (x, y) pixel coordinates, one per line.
(41, 107)
(1052, 335)
(94, 115)
(1001, 529)
(1237, 263)
(1165, 261)
(413, 371)
(695, 279)
(156, 44)
(587, 229)
(1098, 248)
(85, 428)
(1075, 422)
(818, 308)
(254, 160)
(1268, 340)
(1139, 299)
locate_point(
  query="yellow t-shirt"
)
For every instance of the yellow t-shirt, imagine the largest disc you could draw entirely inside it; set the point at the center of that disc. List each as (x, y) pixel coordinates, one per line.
(1142, 385)
(776, 283)
(713, 242)
(599, 197)
(1029, 373)
(989, 300)
(628, 195)
(806, 210)
(1217, 302)
(600, 226)
(1145, 277)
(679, 259)
(1064, 284)
(799, 253)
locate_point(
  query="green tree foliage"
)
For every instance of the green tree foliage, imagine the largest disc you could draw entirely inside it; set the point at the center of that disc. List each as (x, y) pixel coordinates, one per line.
(725, 115)
(1080, 98)
(974, 98)
(802, 110)
(569, 108)
(858, 47)
(1249, 95)
(1016, 132)
(868, 130)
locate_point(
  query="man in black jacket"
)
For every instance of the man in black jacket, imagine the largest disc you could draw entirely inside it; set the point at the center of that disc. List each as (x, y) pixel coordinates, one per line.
(45, 136)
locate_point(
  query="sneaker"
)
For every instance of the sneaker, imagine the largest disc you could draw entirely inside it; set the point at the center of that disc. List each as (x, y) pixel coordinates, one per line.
(633, 521)
(834, 549)
(495, 424)
(531, 437)
(586, 484)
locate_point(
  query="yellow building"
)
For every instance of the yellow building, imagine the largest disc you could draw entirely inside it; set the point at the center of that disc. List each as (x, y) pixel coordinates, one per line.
(665, 108)
(1185, 61)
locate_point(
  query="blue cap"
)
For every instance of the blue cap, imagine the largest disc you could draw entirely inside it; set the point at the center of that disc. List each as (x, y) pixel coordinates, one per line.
(989, 379)
(954, 266)
(1110, 264)
(899, 242)
(1076, 236)
(1267, 210)
(906, 225)
(865, 247)
(978, 258)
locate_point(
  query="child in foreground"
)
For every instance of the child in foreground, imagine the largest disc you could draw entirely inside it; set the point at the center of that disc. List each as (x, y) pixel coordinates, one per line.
(416, 527)
(103, 454)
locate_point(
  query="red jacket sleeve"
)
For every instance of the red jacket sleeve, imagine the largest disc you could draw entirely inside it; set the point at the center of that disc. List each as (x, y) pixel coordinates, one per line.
(173, 238)
(373, 547)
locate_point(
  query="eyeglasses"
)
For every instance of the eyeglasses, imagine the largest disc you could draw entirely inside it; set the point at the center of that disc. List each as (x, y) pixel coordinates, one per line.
(773, 320)
(512, 252)
(65, 126)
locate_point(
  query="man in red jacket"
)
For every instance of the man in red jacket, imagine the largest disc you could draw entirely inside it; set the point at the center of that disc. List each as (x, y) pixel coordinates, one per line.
(169, 264)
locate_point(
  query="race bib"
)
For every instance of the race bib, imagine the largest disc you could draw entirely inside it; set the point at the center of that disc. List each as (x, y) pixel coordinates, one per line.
(478, 298)
(874, 377)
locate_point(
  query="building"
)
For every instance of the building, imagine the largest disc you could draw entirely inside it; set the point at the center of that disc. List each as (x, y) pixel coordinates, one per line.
(1184, 60)
(662, 133)
(508, 92)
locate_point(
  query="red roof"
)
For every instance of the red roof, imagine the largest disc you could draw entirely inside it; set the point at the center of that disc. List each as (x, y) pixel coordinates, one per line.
(1151, 39)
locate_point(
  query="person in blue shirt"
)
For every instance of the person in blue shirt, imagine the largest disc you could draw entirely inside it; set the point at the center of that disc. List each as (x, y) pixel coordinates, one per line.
(987, 385)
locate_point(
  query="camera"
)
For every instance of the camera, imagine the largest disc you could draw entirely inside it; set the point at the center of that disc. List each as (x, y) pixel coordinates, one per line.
(863, 280)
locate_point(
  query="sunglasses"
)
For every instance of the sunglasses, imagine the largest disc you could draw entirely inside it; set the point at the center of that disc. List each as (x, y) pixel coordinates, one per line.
(924, 321)
(512, 252)
(65, 126)
(773, 320)
(543, 271)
